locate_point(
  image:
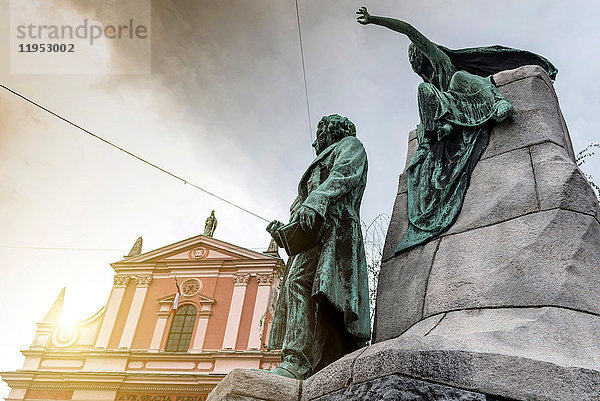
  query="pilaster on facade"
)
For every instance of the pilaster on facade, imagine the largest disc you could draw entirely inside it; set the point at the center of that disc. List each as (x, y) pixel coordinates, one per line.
(159, 331)
(120, 283)
(204, 314)
(164, 310)
(142, 284)
(143, 280)
(241, 279)
(265, 281)
(240, 282)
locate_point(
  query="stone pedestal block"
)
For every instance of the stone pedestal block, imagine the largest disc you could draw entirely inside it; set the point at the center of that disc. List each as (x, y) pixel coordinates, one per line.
(542, 354)
(254, 385)
(396, 387)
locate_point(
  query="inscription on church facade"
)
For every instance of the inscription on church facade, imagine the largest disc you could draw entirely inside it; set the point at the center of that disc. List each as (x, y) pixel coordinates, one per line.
(160, 397)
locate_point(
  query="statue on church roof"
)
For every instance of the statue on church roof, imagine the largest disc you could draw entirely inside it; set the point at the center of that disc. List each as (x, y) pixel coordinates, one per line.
(273, 249)
(458, 106)
(55, 311)
(136, 249)
(211, 225)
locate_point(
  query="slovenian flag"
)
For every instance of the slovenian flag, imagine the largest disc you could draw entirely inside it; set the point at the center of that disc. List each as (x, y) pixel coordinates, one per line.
(176, 299)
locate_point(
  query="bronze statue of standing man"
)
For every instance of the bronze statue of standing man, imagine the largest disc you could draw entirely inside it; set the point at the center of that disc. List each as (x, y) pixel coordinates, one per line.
(210, 225)
(322, 311)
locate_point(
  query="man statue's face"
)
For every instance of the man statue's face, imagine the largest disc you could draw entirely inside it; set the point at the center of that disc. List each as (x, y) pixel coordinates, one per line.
(324, 137)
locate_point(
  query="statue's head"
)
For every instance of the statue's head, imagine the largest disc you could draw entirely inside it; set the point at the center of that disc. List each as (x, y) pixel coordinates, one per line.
(332, 129)
(420, 63)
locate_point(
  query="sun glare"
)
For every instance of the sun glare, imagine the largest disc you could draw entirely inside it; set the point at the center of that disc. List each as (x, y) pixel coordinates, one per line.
(76, 312)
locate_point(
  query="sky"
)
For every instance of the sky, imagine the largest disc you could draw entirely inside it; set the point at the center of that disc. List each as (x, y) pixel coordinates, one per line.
(224, 107)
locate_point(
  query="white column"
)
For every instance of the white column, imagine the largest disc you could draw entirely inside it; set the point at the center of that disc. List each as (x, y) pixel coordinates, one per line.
(265, 280)
(235, 309)
(142, 284)
(159, 331)
(17, 393)
(112, 309)
(164, 310)
(201, 326)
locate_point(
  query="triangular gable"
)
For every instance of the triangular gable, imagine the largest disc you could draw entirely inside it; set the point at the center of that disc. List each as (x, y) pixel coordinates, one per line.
(199, 253)
(197, 248)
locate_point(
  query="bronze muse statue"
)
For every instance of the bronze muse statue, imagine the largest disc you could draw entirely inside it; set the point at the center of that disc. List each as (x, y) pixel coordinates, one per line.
(458, 106)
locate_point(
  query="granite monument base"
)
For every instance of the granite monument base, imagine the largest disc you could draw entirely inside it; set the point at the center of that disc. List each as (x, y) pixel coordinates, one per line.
(505, 304)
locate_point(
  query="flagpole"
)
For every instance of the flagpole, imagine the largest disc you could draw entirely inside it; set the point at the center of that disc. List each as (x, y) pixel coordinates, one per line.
(176, 299)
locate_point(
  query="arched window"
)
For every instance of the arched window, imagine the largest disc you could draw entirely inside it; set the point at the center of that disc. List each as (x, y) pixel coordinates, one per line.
(180, 335)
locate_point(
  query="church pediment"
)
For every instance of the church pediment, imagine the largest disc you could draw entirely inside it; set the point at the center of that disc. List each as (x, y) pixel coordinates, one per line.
(200, 252)
(197, 248)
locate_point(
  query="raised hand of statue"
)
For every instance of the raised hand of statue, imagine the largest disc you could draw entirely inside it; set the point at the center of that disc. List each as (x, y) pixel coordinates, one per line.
(364, 17)
(307, 217)
(273, 227)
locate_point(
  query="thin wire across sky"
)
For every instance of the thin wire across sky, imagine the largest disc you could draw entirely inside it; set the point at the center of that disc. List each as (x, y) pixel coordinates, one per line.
(162, 169)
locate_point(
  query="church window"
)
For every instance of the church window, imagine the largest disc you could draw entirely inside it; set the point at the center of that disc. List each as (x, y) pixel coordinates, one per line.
(182, 327)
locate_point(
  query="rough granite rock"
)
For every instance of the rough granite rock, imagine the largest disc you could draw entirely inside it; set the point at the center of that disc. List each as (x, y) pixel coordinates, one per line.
(236, 397)
(527, 71)
(398, 223)
(530, 71)
(542, 354)
(543, 258)
(522, 353)
(537, 117)
(560, 182)
(398, 388)
(328, 378)
(493, 197)
(254, 385)
(412, 135)
(399, 306)
(411, 149)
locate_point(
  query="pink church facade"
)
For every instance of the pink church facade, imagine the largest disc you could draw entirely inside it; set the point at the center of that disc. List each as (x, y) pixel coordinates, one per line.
(137, 348)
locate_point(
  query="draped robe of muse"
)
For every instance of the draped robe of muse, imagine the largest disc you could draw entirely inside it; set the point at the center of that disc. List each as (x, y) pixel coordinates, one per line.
(461, 95)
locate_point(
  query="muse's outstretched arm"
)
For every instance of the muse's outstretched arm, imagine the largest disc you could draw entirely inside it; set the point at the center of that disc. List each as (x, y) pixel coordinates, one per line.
(429, 48)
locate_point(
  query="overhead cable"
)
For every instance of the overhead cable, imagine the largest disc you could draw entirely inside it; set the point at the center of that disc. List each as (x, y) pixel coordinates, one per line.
(134, 155)
(310, 128)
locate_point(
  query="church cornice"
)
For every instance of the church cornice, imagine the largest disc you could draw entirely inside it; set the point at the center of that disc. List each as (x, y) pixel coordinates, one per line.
(145, 354)
(115, 381)
(191, 387)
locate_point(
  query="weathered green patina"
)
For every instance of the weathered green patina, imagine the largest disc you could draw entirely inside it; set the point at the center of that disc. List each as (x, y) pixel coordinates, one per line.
(210, 225)
(322, 309)
(458, 106)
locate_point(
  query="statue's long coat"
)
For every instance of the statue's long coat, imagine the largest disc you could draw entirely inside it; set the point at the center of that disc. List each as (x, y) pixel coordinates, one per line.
(333, 186)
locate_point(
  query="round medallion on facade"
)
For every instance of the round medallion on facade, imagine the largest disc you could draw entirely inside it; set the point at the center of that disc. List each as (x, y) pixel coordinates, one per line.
(191, 287)
(65, 336)
(198, 253)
